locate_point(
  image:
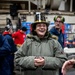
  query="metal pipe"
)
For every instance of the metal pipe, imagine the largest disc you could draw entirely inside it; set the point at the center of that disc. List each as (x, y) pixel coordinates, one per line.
(71, 3)
(38, 4)
(29, 7)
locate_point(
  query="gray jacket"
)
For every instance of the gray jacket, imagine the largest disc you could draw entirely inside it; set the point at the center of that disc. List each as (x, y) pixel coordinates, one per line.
(48, 48)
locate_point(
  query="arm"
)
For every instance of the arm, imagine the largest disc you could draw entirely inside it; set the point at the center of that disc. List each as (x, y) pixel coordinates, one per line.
(22, 59)
(57, 60)
(68, 65)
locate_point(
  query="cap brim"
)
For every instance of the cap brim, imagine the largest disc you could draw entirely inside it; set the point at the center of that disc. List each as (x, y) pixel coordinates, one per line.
(40, 22)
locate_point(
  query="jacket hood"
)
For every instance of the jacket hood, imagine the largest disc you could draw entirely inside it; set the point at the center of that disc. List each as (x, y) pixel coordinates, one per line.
(35, 37)
(5, 33)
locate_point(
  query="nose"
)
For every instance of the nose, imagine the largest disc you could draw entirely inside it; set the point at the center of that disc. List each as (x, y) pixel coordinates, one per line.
(58, 22)
(42, 26)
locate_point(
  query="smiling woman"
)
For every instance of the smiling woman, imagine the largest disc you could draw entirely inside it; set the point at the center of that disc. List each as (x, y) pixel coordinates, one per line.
(40, 22)
(41, 30)
(40, 52)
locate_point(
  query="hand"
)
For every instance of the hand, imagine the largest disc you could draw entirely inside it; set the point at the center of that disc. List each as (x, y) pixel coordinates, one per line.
(39, 61)
(67, 65)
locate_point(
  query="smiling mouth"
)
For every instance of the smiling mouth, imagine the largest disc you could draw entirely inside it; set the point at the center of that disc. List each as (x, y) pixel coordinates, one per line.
(41, 31)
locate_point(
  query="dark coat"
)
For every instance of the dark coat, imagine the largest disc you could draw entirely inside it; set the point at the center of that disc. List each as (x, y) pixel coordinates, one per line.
(5, 51)
(11, 42)
(60, 36)
(10, 57)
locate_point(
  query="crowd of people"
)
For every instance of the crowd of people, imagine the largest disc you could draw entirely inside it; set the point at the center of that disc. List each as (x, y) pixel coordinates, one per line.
(9, 41)
(37, 53)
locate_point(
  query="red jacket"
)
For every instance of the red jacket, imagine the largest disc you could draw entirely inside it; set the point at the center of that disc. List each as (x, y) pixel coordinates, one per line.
(19, 37)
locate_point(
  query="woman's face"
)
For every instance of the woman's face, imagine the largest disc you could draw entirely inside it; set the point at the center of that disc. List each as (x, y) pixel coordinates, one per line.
(41, 29)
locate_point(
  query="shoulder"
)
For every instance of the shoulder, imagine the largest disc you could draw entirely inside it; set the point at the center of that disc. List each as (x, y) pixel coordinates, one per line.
(55, 37)
(54, 41)
(8, 36)
(53, 28)
(29, 40)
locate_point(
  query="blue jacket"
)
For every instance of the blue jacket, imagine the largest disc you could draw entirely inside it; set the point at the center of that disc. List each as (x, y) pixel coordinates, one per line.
(60, 36)
(11, 42)
(5, 52)
(10, 58)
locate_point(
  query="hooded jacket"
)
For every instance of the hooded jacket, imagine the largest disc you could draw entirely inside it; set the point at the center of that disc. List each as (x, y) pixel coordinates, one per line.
(19, 37)
(60, 36)
(5, 51)
(47, 48)
(10, 57)
(10, 41)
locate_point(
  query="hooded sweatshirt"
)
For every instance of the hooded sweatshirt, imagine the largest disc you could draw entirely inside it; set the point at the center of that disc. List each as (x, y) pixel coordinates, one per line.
(19, 37)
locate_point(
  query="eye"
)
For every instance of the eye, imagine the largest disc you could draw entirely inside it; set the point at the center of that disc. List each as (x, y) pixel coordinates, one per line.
(59, 21)
(41, 25)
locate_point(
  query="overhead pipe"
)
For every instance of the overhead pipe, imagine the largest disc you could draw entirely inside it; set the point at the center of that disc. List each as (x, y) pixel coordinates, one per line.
(38, 4)
(71, 3)
(48, 4)
(29, 7)
(52, 4)
(55, 4)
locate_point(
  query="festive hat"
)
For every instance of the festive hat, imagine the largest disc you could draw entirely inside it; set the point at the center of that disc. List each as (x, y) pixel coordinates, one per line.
(39, 18)
(59, 16)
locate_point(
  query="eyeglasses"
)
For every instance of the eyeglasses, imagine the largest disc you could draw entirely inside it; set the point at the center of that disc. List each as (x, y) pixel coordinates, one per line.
(59, 21)
(41, 25)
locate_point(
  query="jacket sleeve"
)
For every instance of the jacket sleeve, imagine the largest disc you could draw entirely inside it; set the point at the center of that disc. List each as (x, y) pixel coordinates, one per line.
(22, 59)
(58, 59)
(5, 48)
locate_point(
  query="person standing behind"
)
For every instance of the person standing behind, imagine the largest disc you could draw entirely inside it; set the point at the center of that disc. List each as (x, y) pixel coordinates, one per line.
(5, 51)
(7, 34)
(19, 36)
(56, 31)
(40, 54)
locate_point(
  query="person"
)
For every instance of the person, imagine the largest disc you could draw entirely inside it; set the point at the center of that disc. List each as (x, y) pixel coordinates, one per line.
(5, 51)
(68, 65)
(40, 54)
(7, 34)
(19, 36)
(56, 31)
